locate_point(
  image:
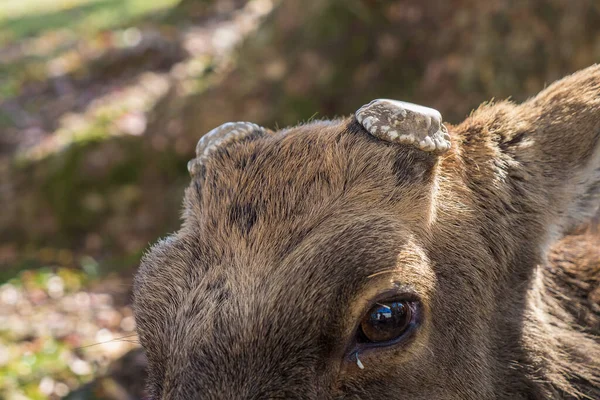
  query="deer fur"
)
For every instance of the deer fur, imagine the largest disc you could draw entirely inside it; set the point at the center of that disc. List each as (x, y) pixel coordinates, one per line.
(288, 235)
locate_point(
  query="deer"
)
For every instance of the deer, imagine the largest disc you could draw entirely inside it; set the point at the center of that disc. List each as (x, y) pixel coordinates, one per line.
(386, 255)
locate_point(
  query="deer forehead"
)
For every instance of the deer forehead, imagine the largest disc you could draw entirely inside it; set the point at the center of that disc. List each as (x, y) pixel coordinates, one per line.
(325, 197)
(293, 178)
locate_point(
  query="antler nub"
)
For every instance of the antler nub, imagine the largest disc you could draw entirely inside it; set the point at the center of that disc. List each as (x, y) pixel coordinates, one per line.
(223, 135)
(406, 123)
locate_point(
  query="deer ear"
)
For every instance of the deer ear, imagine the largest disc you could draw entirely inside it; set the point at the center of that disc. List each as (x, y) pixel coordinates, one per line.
(406, 123)
(550, 146)
(224, 135)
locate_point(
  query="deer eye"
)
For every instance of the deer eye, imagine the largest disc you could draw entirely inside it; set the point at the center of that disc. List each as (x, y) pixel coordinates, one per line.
(386, 321)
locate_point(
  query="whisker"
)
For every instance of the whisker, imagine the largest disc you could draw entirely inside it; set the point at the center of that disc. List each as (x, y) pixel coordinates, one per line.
(387, 271)
(126, 336)
(120, 339)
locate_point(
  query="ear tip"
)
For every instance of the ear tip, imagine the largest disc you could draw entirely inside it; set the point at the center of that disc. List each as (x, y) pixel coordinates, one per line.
(403, 122)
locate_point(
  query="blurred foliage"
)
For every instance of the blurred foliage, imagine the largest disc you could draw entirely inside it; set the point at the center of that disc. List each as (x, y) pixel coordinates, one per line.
(102, 102)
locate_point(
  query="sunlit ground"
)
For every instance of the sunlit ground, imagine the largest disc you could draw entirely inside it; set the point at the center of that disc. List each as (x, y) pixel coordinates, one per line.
(26, 18)
(41, 38)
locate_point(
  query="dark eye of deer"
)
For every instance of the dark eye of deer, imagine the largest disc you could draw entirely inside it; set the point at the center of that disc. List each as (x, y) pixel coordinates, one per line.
(385, 322)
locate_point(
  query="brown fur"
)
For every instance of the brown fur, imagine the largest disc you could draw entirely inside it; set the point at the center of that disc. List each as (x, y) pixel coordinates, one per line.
(286, 239)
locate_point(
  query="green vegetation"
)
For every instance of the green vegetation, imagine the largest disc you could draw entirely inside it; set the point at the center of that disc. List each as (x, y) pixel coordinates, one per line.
(21, 19)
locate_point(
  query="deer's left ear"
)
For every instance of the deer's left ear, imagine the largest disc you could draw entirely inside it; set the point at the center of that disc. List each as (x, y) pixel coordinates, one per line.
(549, 146)
(405, 123)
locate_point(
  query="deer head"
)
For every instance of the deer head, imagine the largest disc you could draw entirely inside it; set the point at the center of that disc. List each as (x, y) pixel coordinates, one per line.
(380, 256)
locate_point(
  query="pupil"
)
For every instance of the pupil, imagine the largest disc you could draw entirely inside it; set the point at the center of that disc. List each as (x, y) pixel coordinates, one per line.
(386, 321)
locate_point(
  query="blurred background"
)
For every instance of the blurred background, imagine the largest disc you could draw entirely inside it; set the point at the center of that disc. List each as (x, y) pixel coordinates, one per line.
(102, 102)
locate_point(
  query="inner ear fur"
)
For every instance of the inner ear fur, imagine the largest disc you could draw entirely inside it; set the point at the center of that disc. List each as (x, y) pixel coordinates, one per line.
(548, 145)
